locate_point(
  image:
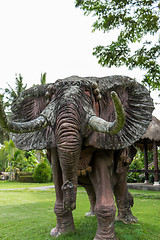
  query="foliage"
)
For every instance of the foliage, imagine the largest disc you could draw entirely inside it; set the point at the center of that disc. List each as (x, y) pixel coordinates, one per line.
(4, 136)
(28, 214)
(12, 158)
(7, 154)
(137, 164)
(42, 173)
(43, 78)
(7, 96)
(2, 160)
(150, 160)
(42, 156)
(31, 160)
(11, 94)
(137, 22)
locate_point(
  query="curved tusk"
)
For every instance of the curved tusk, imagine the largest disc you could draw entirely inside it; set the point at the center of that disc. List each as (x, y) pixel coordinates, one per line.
(21, 127)
(100, 125)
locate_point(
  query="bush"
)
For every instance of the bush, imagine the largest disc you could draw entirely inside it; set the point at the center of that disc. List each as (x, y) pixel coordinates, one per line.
(42, 173)
(137, 164)
(133, 177)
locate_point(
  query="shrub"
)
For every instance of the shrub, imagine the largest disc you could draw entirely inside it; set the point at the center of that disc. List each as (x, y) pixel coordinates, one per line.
(42, 173)
(137, 164)
(133, 177)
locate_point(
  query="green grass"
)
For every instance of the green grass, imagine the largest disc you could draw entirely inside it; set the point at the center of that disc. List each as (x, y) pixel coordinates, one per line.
(12, 185)
(28, 215)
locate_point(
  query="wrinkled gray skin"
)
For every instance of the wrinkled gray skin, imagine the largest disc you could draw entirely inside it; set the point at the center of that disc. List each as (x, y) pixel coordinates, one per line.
(76, 120)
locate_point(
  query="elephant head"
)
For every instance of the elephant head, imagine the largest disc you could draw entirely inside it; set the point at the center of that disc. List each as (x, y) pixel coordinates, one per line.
(76, 112)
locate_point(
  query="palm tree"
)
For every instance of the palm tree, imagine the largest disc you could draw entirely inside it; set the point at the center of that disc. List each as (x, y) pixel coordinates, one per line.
(43, 78)
(11, 94)
(7, 96)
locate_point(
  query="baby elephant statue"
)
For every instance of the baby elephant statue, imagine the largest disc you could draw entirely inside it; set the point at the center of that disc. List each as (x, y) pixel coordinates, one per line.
(82, 122)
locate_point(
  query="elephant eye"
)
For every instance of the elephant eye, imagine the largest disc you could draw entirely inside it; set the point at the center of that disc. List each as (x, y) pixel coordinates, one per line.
(87, 91)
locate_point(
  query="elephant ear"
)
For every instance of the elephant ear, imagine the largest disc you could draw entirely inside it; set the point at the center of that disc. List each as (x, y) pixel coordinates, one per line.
(138, 107)
(27, 107)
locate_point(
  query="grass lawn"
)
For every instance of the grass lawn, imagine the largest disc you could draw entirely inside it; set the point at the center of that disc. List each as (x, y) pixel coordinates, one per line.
(11, 185)
(28, 215)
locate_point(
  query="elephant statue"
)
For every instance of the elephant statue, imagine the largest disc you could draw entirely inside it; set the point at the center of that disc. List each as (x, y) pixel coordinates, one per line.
(83, 122)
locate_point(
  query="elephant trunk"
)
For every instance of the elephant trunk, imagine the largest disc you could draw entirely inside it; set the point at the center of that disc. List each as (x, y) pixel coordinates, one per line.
(68, 142)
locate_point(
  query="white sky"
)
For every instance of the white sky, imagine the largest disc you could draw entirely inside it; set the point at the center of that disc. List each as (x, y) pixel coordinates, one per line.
(51, 36)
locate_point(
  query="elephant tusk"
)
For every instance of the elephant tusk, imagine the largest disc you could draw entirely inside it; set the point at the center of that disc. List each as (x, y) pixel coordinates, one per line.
(100, 125)
(21, 127)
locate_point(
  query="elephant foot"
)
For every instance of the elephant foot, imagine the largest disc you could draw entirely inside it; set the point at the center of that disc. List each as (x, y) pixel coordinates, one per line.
(103, 235)
(57, 231)
(105, 218)
(69, 196)
(126, 217)
(90, 214)
(65, 221)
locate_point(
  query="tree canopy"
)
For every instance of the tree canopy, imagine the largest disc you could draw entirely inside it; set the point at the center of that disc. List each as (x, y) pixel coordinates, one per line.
(137, 21)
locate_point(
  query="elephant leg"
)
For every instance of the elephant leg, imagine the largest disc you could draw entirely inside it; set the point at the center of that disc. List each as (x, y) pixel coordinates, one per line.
(105, 209)
(92, 199)
(65, 221)
(124, 199)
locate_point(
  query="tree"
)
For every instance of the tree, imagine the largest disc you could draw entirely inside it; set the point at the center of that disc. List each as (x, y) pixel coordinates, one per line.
(137, 21)
(4, 136)
(12, 158)
(43, 78)
(11, 94)
(7, 96)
